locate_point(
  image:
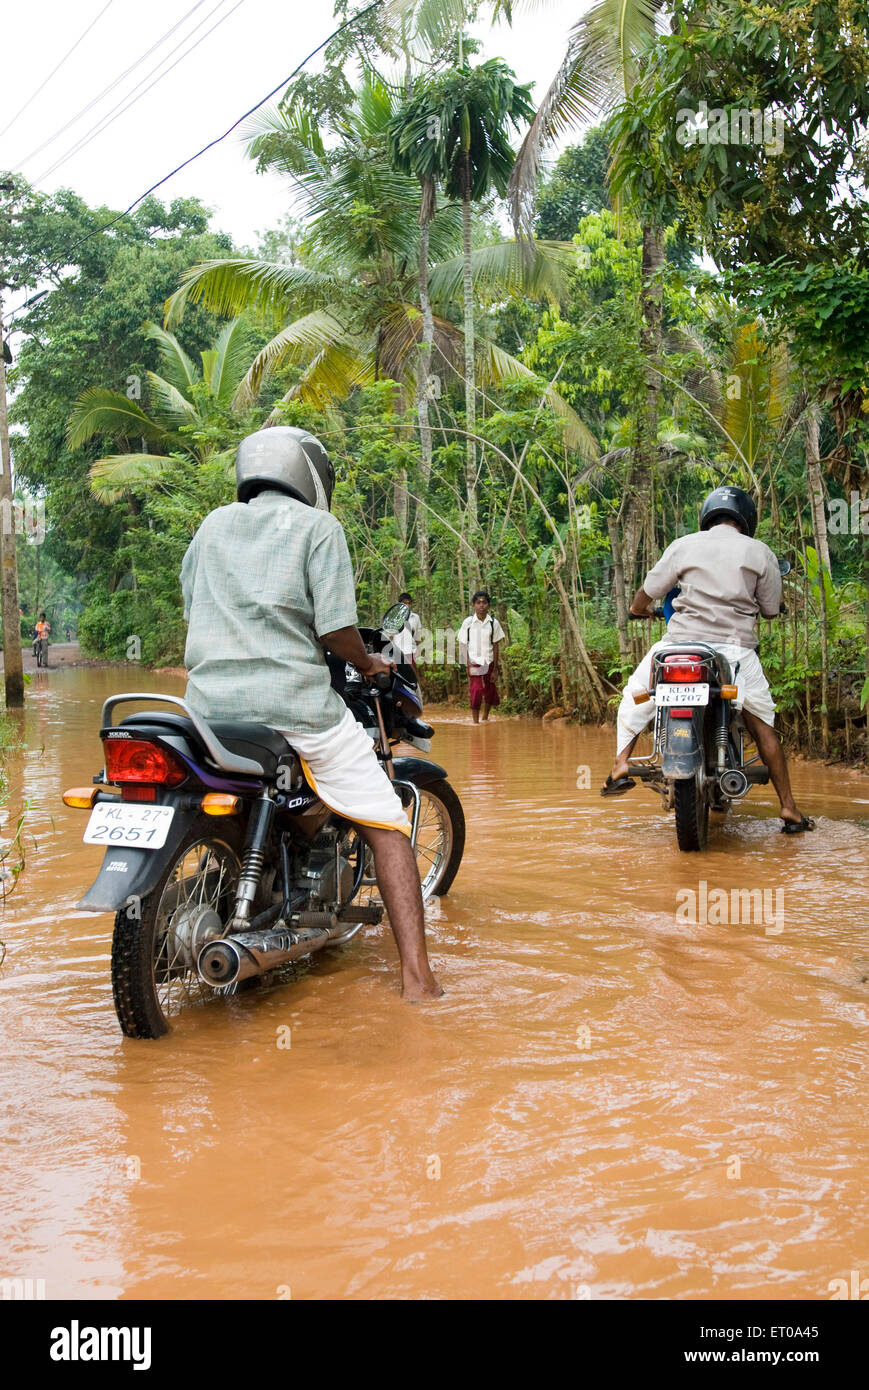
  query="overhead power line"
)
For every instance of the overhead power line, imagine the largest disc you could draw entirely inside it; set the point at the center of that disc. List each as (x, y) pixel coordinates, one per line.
(111, 87)
(130, 99)
(68, 54)
(347, 24)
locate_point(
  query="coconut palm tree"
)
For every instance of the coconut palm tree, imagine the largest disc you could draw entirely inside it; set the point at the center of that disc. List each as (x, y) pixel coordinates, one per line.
(413, 150)
(454, 128)
(184, 395)
(601, 64)
(349, 314)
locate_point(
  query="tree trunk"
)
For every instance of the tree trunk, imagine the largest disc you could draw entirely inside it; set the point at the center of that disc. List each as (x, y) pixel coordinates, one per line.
(598, 695)
(619, 593)
(646, 452)
(816, 487)
(13, 668)
(822, 550)
(470, 374)
(423, 373)
(400, 496)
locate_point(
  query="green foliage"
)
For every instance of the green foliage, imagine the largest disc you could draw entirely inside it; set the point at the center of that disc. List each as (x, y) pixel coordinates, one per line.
(824, 309)
(88, 332)
(575, 188)
(753, 192)
(327, 334)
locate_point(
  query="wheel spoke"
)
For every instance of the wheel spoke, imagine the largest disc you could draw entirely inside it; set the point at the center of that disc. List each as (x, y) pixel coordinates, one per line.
(202, 878)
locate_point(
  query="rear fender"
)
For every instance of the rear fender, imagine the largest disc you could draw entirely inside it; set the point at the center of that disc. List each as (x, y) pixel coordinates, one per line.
(132, 873)
(683, 754)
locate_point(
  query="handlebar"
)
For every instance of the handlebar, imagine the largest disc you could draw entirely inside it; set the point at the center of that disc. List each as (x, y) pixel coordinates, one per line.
(645, 617)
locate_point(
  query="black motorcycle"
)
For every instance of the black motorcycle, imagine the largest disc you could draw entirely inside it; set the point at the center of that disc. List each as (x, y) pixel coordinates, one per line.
(222, 864)
(703, 757)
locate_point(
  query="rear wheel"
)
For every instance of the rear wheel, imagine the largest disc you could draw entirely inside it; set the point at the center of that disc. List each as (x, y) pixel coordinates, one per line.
(157, 939)
(692, 814)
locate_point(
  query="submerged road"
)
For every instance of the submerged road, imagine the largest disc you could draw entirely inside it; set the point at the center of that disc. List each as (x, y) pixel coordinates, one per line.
(635, 1086)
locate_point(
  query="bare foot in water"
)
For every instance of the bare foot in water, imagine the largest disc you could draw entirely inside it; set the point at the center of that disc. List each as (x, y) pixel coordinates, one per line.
(416, 991)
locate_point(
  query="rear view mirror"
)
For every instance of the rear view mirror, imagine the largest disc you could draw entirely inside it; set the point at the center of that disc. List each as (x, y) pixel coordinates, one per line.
(784, 567)
(394, 619)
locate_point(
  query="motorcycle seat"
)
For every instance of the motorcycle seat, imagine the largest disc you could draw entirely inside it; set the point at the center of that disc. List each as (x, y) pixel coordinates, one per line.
(262, 743)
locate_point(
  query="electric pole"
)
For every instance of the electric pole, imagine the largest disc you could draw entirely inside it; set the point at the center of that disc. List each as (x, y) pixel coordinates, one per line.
(12, 666)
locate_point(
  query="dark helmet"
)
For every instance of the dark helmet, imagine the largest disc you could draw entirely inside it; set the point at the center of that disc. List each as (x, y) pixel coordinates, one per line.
(288, 459)
(729, 504)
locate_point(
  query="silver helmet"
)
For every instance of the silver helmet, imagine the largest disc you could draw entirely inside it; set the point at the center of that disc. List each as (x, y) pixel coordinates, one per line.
(288, 459)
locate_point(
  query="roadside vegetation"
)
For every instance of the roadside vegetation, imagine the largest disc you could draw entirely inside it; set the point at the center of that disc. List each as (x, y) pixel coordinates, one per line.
(530, 361)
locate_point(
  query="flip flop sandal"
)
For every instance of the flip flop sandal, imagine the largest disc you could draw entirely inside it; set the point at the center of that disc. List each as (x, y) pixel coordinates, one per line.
(617, 787)
(793, 827)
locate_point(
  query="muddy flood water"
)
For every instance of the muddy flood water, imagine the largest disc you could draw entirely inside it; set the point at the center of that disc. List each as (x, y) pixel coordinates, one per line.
(611, 1101)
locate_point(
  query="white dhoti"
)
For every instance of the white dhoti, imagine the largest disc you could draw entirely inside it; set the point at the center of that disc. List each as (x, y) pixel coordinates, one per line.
(343, 770)
(753, 692)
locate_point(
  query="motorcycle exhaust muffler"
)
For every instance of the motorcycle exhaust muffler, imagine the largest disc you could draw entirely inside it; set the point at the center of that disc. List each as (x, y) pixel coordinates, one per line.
(231, 959)
(734, 782)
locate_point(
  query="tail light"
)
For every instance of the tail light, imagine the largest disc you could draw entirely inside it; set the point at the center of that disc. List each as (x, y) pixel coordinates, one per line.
(135, 760)
(687, 666)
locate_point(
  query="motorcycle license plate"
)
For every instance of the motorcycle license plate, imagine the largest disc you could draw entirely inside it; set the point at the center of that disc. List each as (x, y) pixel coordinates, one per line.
(139, 827)
(683, 695)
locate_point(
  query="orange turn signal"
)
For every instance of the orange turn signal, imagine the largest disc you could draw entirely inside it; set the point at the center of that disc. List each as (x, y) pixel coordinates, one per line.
(641, 699)
(729, 692)
(220, 804)
(81, 797)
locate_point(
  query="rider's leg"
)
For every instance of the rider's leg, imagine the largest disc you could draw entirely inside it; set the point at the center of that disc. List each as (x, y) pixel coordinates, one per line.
(632, 718)
(398, 881)
(620, 766)
(341, 767)
(770, 749)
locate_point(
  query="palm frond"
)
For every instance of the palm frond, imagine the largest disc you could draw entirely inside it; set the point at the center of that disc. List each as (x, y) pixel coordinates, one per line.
(299, 341)
(430, 22)
(285, 138)
(167, 402)
(757, 391)
(177, 366)
(615, 34)
(599, 65)
(504, 267)
(496, 365)
(265, 288)
(333, 374)
(231, 360)
(100, 411)
(116, 474)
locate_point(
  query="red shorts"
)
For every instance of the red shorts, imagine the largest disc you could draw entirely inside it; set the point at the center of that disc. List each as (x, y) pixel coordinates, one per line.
(483, 691)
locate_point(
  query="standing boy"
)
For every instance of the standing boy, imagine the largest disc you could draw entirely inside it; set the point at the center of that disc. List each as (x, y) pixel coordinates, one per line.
(479, 638)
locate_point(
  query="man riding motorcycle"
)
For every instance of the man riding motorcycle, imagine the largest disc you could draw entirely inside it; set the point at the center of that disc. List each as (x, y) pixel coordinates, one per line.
(726, 579)
(267, 584)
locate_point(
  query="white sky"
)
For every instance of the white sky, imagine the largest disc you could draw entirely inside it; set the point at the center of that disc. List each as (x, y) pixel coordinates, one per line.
(257, 45)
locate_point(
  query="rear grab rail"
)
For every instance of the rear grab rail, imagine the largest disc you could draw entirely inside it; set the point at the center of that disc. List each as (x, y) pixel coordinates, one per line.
(226, 761)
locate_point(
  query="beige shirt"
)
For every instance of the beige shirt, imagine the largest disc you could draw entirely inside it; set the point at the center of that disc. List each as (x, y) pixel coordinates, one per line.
(726, 580)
